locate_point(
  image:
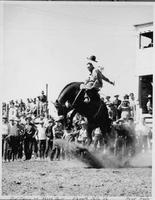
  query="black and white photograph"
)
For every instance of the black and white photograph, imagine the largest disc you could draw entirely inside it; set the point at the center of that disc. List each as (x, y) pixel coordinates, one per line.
(77, 100)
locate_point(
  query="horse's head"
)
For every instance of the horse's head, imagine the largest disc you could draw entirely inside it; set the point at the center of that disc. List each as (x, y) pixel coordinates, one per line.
(61, 109)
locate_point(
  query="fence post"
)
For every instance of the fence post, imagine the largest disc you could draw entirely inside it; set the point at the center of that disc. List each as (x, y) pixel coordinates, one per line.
(47, 99)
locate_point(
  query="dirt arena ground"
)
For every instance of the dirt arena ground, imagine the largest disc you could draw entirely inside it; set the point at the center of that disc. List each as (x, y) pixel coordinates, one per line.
(74, 178)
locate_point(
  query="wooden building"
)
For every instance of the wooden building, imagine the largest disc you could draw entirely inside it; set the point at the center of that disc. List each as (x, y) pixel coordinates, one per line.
(144, 65)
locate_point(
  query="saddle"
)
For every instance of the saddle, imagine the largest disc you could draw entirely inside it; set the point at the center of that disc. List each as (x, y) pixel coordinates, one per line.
(89, 94)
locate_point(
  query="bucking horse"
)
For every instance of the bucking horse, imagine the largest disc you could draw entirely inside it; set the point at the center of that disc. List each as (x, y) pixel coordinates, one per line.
(71, 100)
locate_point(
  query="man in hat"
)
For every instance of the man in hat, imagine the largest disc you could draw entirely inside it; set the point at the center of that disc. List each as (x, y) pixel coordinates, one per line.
(108, 101)
(124, 108)
(29, 132)
(41, 139)
(109, 105)
(116, 103)
(13, 127)
(82, 133)
(98, 138)
(5, 133)
(49, 135)
(12, 110)
(57, 134)
(43, 101)
(95, 78)
(12, 139)
(132, 105)
(20, 136)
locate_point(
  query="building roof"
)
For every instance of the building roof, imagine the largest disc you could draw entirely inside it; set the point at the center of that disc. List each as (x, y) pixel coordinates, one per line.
(144, 24)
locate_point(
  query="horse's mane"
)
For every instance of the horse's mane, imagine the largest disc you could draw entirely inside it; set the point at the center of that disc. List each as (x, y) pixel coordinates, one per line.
(69, 84)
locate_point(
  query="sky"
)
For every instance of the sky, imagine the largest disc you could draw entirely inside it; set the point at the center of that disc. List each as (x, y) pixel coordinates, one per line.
(49, 42)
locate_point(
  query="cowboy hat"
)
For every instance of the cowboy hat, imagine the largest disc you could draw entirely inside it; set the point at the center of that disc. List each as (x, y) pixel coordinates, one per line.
(4, 117)
(12, 119)
(28, 117)
(92, 58)
(126, 96)
(18, 119)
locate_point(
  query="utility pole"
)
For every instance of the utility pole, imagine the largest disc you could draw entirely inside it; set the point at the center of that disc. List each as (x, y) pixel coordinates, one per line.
(47, 99)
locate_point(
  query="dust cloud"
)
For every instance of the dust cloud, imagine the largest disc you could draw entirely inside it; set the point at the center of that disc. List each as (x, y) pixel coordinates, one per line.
(103, 159)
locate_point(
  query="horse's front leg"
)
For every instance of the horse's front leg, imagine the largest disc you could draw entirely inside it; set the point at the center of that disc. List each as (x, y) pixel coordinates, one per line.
(71, 116)
(89, 135)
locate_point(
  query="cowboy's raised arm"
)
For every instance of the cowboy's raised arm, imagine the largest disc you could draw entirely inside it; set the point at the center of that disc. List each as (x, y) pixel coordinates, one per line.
(107, 80)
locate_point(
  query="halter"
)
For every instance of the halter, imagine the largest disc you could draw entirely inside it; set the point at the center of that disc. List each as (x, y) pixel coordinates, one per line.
(61, 106)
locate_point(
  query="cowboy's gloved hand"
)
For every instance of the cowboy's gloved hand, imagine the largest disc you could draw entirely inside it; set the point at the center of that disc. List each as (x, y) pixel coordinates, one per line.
(82, 86)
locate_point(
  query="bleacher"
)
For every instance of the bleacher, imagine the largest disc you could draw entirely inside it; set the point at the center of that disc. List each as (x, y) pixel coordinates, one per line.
(148, 120)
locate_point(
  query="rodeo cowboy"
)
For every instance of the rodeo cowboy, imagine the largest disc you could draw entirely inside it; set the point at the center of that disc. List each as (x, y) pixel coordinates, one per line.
(95, 78)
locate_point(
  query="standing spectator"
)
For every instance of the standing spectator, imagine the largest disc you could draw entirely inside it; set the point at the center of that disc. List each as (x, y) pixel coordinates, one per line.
(108, 101)
(149, 104)
(98, 138)
(31, 105)
(41, 139)
(22, 106)
(14, 138)
(68, 134)
(45, 119)
(12, 110)
(43, 101)
(34, 107)
(109, 106)
(69, 137)
(5, 133)
(111, 111)
(57, 133)
(82, 133)
(143, 133)
(20, 136)
(13, 127)
(28, 106)
(116, 103)
(17, 105)
(4, 108)
(49, 135)
(23, 119)
(29, 132)
(38, 106)
(35, 144)
(76, 130)
(124, 108)
(43, 97)
(132, 105)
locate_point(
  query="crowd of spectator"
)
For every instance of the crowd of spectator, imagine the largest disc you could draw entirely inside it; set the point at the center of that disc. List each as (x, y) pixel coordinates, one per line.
(18, 108)
(29, 131)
